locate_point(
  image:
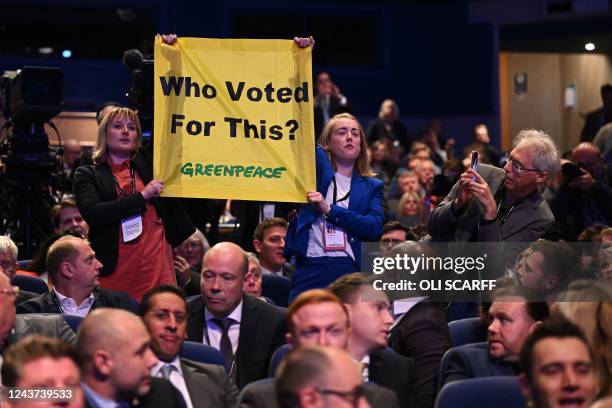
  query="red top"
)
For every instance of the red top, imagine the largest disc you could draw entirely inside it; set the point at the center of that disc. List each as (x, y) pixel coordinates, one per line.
(144, 262)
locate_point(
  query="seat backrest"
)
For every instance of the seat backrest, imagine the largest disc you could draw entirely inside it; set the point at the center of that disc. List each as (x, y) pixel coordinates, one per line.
(446, 357)
(464, 331)
(202, 353)
(485, 392)
(462, 310)
(276, 288)
(277, 357)
(30, 283)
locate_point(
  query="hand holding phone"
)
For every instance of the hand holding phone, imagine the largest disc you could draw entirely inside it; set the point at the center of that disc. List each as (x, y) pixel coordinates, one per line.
(474, 163)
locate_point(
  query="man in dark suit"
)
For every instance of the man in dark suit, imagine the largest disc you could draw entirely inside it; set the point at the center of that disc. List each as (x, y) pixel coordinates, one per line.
(512, 319)
(40, 360)
(494, 205)
(13, 328)
(115, 355)
(74, 269)
(246, 330)
(317, 317)
(370, 325)
(164, 312)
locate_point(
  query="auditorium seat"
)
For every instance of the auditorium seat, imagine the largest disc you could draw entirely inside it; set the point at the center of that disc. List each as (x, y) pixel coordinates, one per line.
(74, 321)
(446, 357)
(277, 357)
(30, 283)
(464, 331)
(202, 353)
(276, 288)
(462, 310)
(485, 392)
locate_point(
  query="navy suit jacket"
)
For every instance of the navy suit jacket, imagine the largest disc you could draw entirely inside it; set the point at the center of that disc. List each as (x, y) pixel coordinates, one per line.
(473, 361)
(362, 220)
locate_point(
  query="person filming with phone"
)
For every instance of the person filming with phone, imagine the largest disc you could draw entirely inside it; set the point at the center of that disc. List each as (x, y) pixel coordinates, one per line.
(489, 204)
(585, 193)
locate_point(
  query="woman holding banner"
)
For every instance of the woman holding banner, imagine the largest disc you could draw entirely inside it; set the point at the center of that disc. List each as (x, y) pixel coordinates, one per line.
(346, 209)
(132, 230)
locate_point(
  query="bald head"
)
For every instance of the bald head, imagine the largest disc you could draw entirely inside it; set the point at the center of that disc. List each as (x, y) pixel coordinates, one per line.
(229, 252)
(587, 154)
(105, 329)
(223, 270)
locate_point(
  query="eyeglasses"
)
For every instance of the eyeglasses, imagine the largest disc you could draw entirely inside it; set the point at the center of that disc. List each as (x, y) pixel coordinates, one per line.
(517, 168)
(163, 315)
(352, 396)
(12, 291)
(390, 242)
(9, 265)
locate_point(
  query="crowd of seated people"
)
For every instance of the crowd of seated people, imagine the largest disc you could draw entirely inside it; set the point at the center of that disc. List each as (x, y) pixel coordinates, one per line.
(110, 315)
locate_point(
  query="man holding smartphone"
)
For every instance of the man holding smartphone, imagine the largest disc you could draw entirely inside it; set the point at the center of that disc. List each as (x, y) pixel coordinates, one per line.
(489, 204)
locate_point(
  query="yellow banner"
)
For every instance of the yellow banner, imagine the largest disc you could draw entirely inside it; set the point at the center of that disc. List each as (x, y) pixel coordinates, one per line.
(234, 119)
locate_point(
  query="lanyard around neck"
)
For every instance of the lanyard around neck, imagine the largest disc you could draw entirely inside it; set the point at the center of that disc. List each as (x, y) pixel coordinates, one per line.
(121, 190)
(336, 192)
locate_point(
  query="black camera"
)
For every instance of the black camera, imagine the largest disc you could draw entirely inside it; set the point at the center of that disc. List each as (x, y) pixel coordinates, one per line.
(571, 170)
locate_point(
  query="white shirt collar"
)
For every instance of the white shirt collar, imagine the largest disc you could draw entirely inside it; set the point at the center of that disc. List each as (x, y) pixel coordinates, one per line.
(265, 271)
(69, 303)
(176, 363)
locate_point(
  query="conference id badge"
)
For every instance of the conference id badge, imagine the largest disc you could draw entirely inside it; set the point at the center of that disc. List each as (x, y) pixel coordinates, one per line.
(334, 238)
(131, 227)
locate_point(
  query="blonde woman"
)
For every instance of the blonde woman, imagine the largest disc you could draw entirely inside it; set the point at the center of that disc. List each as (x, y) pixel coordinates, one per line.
(410, 209)
(132, 230)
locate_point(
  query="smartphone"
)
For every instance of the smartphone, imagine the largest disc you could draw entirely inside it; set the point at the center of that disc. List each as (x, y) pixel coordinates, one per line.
(570, 171)
(474, 164)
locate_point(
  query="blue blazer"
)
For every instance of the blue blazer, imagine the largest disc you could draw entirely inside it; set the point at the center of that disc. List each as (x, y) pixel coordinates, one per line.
(363, 220)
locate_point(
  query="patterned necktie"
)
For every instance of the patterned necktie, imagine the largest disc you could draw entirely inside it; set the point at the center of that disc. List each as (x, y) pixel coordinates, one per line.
(225, 345)
(166, 370)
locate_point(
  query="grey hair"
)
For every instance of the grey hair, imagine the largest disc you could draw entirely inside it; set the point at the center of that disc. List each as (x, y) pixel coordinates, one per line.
(7, 246)
(252, 257)
(202, 238)
(544, 150)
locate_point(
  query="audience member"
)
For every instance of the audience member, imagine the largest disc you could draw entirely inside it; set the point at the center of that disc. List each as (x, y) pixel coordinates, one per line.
(328, 102)
(380, 163)
(346, 209)
(245, 330)
(269, 243)
(388, 127)
(547, 269)
(430, 139)
(599, 117)
(37, 362)
(115, 354)
(74, 270)
(420, 330)
(66, 216)
(557, 367)
(589, 306)
(8, 261)
(118, 193)
(319, 377)
(584, 198)
(511, 319)
(252, 282)
(491, 154)
(13, 328)
(105, 109)
(316, 318)
(394, 232)
(188, 262)
(491, 205)
(410, 209)
(370, 321)
(164, 312)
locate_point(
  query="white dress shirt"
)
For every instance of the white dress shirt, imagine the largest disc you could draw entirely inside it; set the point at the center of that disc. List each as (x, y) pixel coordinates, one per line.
(69, 306)
(265, 271)
(176, 378)
(212, 332)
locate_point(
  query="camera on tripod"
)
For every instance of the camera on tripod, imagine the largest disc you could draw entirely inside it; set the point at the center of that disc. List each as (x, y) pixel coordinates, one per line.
(31, 97)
